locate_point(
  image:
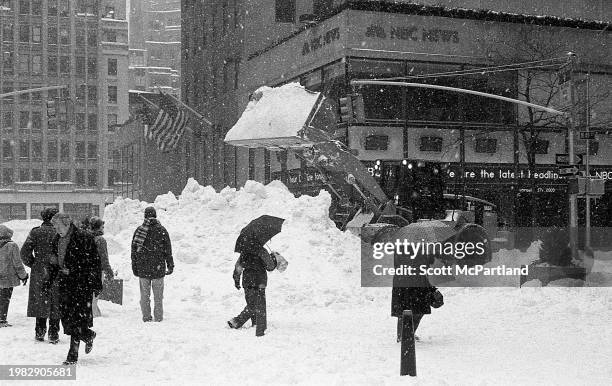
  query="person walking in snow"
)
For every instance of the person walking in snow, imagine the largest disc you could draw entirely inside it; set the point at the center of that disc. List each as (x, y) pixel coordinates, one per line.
(78, 272)
(252, 266)
(11, 271)
(96, 227)
(151, 262)
(43, 299)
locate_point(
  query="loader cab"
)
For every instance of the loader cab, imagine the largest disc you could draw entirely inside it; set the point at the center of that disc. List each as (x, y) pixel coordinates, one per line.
(417, 186)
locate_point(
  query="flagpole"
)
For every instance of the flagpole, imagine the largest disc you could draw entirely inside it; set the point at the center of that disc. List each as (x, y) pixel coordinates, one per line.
(189, 108)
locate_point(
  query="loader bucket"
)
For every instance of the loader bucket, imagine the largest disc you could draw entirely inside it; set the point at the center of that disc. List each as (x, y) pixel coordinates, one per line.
(285, 117)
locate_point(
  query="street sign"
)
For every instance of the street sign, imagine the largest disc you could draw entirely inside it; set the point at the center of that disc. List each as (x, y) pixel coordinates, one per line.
(587, 135)
(563, 159)
(568, 171)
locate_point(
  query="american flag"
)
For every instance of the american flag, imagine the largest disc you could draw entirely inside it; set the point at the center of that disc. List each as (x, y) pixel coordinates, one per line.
(166, 125)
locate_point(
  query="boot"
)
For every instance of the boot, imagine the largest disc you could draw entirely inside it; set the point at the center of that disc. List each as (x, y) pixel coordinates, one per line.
(73, 352)
(89, 342)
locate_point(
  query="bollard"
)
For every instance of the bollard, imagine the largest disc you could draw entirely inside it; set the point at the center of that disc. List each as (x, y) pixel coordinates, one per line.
(408, 358)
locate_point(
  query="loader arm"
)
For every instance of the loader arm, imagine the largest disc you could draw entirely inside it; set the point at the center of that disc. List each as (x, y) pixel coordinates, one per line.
(340, 165)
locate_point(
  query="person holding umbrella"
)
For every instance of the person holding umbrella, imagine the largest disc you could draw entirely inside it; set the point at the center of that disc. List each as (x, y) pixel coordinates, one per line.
(252, 265)
(414, 292)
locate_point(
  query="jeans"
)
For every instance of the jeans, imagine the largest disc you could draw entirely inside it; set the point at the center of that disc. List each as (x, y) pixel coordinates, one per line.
(5, 299)
(255, 309)
(41, 327)
(158, 297)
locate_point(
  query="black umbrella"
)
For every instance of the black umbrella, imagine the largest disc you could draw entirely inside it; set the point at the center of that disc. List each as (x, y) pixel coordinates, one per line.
(258, 232)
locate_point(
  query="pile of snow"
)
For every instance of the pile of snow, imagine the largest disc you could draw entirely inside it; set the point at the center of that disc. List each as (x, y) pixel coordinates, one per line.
(203, 226)
(274, 113)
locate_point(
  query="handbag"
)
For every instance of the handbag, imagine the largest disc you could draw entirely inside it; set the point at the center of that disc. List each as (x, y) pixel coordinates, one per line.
(436, 299)
(281, 262)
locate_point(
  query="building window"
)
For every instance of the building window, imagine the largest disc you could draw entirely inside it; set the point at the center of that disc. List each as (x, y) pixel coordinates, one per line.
(540, 146)
(24, 63)
(65, 175)
(24, 7)
(24, 119)
(36, 121)
(7, 60)
(80, 122)
(92, 151)
(24, 175)
(112, 94)
(109, 12)
(36, 64)
(64, 36)
(92, 123)
(52, 151)
(7, 32)
(36, 7)
(24, 33)
(80, 93)
(111, 36)
(112, 67)
(7, 122)
(36, 175)
(51, 175)
(111, 122)
(7, 149)
(92, 93)
(92, 67)
(36, 150)
(52, 32)
(7, 176)
(376, 142)
(36, 34)
(52, 65)
(433, 144)
(65, 152)
(285, 11)
(80, 151)
(92, 38)
(64, 8)
(79, 176)
(52, 7)
(80, 66)
(92, 177)
(322, 7)
(24, 149)
(65, 64)
(486, 145)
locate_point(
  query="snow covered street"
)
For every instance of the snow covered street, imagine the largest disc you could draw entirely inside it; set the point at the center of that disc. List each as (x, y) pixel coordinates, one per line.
(323, 328)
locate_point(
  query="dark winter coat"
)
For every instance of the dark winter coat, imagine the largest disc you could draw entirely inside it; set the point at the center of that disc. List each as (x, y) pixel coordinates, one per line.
(83, 279)
(11, 269)
(154, 255)
(255, 264)
(36, 252)
(411, 292)
(103, 253)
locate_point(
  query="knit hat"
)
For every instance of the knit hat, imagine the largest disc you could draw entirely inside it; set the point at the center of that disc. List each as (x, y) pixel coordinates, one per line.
(48, 213)
(5, 232)
(95, 223)
(150, 212)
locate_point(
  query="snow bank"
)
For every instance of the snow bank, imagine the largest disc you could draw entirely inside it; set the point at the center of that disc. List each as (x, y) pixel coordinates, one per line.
(204, 225)
(274, 113)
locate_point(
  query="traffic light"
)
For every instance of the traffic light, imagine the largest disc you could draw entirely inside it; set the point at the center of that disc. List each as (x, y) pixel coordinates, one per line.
(352, 109)
(346, 109)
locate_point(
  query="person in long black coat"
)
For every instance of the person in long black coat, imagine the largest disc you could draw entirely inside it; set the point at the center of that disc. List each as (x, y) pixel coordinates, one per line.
(253, 264)
(411, 292)
(79, 276)
(43, 299)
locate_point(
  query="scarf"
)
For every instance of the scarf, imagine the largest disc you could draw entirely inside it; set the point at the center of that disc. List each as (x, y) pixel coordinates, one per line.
(141, 233)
